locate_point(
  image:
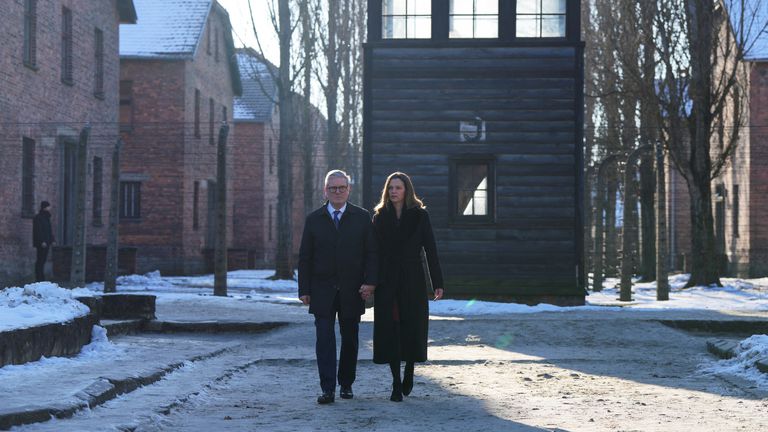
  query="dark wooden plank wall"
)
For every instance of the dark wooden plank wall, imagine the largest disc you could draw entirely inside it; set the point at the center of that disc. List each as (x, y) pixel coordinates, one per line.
(528, 96)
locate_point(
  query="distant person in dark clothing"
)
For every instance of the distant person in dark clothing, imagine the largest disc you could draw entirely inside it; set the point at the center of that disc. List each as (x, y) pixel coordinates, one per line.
(42, 238)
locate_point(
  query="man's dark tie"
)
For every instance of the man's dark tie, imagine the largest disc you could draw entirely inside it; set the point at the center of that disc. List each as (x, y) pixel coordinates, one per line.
(336, 218)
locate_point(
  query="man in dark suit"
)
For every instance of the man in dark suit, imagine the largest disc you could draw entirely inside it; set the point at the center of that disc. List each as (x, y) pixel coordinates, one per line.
(42, 238)
(337, 272)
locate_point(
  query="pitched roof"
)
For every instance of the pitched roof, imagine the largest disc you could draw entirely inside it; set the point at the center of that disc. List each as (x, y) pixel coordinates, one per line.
(259, 90)
(165, 29)
(749, 21)
(126, 11)
(173, 30)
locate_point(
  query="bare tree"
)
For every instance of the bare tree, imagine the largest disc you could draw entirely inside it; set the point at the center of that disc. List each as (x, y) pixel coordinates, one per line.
(649, 135)
(284, 25)
(77, 268)
(629, 236)
(308, 49)
(702, 99)
(220, 251)
(328, 38)
(113, 252)
(352, 34)
(341, 31)
(662, 280)
(589, 35)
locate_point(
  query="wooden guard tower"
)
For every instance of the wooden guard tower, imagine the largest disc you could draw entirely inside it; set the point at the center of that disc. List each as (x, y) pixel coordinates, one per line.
(481, 103)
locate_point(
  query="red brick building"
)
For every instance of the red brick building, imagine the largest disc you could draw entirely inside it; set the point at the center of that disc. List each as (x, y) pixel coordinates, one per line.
(178, 77)
(738, 195)
(59, 70)
(256, 116)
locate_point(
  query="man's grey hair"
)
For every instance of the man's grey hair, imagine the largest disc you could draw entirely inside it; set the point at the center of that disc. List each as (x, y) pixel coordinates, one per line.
(337, 173)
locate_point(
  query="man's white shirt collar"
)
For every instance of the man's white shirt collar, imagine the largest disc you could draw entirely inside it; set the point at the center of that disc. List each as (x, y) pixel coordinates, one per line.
(341, 210)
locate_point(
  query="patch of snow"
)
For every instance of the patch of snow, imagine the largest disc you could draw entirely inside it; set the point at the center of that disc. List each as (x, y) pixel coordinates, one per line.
(478, 307)
(743, 364)
(100, 348)
(39, 303)
(735, 294)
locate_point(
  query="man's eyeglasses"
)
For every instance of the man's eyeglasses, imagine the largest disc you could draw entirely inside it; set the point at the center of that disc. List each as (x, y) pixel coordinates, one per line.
(335, 189)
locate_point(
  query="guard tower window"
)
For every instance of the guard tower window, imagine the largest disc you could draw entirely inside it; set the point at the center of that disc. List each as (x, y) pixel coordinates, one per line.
(541, 18)
(473, 189)
(406, 19)
(474, 19)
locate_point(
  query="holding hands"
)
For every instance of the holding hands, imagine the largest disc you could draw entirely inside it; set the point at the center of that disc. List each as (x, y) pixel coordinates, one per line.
(366, 291)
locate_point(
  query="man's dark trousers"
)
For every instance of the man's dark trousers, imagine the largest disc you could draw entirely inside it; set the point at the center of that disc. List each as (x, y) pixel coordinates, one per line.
(325, 348)
(42, 256)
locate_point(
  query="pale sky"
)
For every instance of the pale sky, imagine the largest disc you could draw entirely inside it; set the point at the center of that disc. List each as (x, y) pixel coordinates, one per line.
(243, 31)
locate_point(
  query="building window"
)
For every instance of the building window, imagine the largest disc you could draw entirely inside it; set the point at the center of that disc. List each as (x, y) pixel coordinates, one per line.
(541, 18)
(196, 206)
(269, 230)
(126, 106)
(472, 189)
(98, 180)
(474, 19)
(98, 79)
(208, 41)
(130, 200)
(211, 115)
(30, 33)
(735, 211)
(28, 177)
(197, 113)
(406, 19)
(66, 46)
(271, 156)
(224, 116)
(216, 45)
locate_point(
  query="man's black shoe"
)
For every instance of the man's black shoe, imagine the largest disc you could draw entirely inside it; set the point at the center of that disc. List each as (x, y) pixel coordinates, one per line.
(346, 392)
(325, 398)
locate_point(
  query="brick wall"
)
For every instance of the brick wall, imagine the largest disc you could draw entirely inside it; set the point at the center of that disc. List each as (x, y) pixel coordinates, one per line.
(756, 195)
(745, 225)
(256, 187)
(165, 152)
(254, 190)
(34, 103)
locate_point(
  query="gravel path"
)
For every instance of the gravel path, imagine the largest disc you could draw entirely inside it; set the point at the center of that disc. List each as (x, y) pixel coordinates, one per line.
(538, 372)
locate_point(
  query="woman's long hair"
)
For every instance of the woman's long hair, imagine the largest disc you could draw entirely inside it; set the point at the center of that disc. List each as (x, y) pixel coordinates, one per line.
(411, 200)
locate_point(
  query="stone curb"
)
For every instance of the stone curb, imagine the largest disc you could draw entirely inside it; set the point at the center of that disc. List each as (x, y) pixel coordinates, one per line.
(726, 349)
(123, 327)
(719, 326)
(97, 393)
(107, 388)
(723, 349)
(155, 326)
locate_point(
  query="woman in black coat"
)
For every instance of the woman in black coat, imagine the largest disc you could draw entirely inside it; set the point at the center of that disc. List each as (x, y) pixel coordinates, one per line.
(401, 311)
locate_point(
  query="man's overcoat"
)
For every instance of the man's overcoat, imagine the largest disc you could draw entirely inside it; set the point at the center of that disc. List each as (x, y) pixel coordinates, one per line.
(332, 261)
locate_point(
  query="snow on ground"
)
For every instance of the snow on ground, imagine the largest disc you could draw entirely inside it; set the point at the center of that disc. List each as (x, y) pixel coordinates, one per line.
(479, 307)
(39, 303)
(45, 302)
(735, 295)
(252, 285)
(743, 364)
(99, 348)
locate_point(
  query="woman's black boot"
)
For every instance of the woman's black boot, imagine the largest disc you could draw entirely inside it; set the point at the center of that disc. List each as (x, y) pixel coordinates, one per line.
(397, 387)
(408, 378)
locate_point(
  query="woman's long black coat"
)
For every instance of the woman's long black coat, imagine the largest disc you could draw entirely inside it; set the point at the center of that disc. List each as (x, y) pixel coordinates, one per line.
(402, 279)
